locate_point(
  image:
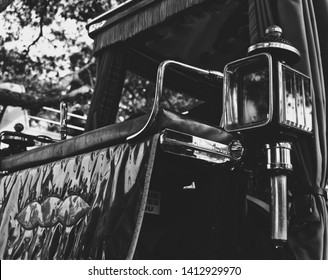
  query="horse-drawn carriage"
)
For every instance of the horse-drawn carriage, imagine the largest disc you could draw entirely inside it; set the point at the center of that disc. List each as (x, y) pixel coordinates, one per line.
(239, 175)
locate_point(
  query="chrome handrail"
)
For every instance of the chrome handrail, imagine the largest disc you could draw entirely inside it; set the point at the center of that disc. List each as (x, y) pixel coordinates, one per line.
(68, 114)
(44, 120)
(56, 123)
(159, 89)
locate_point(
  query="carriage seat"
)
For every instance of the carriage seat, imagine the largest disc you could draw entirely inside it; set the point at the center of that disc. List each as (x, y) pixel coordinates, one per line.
(112, 135)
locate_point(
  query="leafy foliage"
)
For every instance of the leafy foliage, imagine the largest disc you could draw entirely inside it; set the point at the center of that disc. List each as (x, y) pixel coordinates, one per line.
(44, 47)
(138, 97)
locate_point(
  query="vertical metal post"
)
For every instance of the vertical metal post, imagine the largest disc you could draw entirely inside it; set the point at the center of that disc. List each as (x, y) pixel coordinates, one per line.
(278, 156)
(63, 120)
(279, 208)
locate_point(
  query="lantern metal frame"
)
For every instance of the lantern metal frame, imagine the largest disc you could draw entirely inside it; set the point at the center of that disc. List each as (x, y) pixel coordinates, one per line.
(283, 114)
(237, 64)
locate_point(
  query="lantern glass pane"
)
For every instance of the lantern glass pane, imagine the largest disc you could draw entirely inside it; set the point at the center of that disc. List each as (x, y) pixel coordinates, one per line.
(297, 99)
(247, 93)
(300, 109)
(308, 105)
(290, 96)
(255, 87)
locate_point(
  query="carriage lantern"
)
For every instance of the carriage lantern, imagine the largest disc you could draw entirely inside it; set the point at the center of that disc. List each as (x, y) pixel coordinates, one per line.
(263, 93)
(263, 90)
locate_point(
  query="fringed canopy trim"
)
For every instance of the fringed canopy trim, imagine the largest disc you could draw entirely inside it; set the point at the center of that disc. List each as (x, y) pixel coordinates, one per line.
(122, 24)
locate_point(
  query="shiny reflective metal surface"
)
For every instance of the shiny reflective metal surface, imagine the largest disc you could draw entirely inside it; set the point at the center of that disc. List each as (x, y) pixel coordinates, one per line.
(248, 93)
(159, 88)
(278, 156)
(279, 163)
(295, 98)
(236, 149)
(279, 208)
(273, 29)
(195, 147)
(274, 45)
(88, 206)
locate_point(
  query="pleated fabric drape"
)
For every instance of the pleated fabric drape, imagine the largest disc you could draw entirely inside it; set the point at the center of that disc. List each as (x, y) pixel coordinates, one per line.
(111, 70)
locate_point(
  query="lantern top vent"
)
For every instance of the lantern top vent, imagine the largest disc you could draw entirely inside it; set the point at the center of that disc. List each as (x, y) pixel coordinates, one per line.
(274, 43)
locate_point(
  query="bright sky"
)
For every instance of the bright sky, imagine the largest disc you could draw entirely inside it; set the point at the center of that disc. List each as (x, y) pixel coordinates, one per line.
(27, 35)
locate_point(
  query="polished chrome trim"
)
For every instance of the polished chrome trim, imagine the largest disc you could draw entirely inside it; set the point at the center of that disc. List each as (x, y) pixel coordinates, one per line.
(282, 100)
(278, 156)
(278, 45)
(270, 115)
(279, 217)
(279, 164)
(68, 114)
(56, 123)
(236, 149)
(263, 205)
(159, 89)
(273, 29)
(188, 145)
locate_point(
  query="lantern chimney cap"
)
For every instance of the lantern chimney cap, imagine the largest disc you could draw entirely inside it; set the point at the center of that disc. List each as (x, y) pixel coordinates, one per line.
(274, 43)
(273, 31)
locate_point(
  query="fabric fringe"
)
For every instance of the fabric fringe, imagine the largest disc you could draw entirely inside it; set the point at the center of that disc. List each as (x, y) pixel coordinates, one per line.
(154, 14)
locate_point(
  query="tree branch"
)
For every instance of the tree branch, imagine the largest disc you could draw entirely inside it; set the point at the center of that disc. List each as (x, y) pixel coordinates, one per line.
(26, 101)
(39, 36)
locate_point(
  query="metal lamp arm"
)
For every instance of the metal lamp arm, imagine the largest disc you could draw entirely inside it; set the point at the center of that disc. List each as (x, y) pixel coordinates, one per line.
(159, 89)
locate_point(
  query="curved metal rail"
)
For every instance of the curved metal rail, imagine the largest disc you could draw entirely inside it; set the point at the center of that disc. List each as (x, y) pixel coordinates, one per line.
(159, 89)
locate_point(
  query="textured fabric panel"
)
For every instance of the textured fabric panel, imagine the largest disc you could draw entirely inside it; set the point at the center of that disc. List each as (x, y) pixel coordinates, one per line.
(107, 93)
(261, 15)
(148, 15)
(89, 206)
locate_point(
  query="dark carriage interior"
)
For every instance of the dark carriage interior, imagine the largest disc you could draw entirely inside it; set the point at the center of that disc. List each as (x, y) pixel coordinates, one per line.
(206, 35)
(197, 212)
